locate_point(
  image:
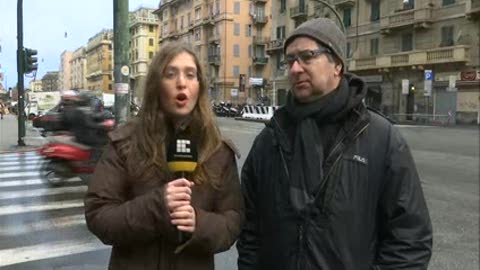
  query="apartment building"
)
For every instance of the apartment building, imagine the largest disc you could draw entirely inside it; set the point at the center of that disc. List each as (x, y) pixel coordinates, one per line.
(50, 81)
(64, 73)
(35, 85)
(417, 57)
(78, 78)
(230, 39)
(143, 45)
(100, 61)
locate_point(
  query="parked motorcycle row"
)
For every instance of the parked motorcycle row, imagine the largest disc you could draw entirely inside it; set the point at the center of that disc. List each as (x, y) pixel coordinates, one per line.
(223, 109)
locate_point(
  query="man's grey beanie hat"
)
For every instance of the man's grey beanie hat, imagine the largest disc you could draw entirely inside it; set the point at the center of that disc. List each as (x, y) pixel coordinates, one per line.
(324, 31)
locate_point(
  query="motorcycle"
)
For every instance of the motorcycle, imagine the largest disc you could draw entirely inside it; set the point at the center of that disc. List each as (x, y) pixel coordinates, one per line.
(63, 158)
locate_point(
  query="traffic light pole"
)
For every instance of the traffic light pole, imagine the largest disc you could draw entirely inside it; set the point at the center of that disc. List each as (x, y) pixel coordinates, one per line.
(122, 70)
(20, 71)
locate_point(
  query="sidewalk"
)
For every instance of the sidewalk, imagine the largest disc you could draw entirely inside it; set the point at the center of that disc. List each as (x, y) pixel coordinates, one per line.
(9, 135)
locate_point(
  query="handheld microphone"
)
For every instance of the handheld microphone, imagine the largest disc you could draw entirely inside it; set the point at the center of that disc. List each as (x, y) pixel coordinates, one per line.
(182, 160)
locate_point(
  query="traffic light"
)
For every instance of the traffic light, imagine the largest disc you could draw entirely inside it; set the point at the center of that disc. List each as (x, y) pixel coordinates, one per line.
(412, 89)
(30, 60)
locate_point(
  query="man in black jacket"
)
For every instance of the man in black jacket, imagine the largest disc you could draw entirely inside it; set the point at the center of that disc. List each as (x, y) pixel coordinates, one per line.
(329, 184)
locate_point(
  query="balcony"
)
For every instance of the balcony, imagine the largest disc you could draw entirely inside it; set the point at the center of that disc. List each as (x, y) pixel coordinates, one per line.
(259, 40)
(344, 3)
(300, 11)
(209, 21)
(418, 18)
(260, 1)
(275, 45)
(260, 19)
(214, 39)
(472, 9)
(214, 60)
(260, 61)
(434, 56)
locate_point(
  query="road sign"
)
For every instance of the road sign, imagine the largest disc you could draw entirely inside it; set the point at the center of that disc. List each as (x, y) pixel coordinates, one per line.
(428, 75)
(405, 83)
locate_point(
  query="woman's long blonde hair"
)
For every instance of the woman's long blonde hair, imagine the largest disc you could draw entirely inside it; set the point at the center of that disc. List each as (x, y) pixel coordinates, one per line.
(145, 152)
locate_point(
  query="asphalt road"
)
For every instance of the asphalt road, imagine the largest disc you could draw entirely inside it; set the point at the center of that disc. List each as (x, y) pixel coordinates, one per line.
(44, 228)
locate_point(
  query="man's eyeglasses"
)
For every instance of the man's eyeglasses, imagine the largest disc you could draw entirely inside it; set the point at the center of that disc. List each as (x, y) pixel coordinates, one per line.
(303, 57)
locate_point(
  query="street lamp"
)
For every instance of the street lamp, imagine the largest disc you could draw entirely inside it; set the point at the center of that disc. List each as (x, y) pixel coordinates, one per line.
(339, 18)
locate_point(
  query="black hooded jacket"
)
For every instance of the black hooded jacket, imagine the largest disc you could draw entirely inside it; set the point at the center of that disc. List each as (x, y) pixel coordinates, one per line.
(369, 211)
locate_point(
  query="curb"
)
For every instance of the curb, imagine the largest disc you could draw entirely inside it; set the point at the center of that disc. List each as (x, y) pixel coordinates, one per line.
(252, 120)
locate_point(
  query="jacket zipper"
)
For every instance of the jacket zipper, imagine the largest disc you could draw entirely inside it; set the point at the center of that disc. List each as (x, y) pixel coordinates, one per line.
(300, 247)
(339, 156)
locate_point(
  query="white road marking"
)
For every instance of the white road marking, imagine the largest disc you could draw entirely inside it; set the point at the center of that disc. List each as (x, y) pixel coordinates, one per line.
(49, 250)
(23, 162)
(18, 174)
(27, 182)
(19, 168)
(19, 159)
(26, 208)
(19, 154)
(41, 192)
(42, 225)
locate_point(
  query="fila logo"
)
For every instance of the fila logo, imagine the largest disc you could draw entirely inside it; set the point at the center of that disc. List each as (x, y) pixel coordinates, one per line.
(183, 146)
(360, 159)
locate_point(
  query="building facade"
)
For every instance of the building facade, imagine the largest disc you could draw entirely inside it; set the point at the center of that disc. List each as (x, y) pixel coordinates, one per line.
(78, 78)
(398, 47)
(100, 62)
(50, 81)
(143, 45)
(35, 85)
(64, 73)
(222, 33)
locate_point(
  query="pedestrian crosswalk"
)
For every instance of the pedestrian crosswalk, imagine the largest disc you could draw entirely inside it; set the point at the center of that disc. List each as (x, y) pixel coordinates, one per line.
(39, 222)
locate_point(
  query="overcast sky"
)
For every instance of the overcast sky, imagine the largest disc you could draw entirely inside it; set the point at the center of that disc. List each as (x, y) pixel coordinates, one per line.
(45, 23)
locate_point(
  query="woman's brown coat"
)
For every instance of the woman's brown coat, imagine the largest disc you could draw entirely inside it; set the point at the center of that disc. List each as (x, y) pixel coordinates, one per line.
(130, 213)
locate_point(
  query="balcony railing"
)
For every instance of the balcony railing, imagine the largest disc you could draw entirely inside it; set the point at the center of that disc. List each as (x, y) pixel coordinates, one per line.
(443, 55)
(260, 61)
(260, 19)
(472, 8)
(214, 39)
(299, 11)
(419, 18)
(275, 45)
(214, 60)
(344, 3)
(260, 40)
(260, 1)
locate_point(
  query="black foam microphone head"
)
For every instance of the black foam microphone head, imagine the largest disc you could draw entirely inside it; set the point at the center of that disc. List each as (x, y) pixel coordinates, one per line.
(182, 155)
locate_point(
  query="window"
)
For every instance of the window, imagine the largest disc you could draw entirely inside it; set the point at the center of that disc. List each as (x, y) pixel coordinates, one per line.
(236, 50)
(248, 30)
(407, 42)
(188, 19)
(280, 32)
(349, 50)
(250, 51)
(283, 6)
(181, 23)
(448, 2)
(150, 28)
(198, 14)
(447, 36)
(375, 10)
(374, 46)
(236, 29)
(197, 34)
(347, 17)
(236, 71)
(150, 55)
(236, 8)
(150, 41)
(408, 4)
(279, 57)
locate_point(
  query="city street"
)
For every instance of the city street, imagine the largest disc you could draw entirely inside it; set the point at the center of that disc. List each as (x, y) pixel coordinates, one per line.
(43, 227)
